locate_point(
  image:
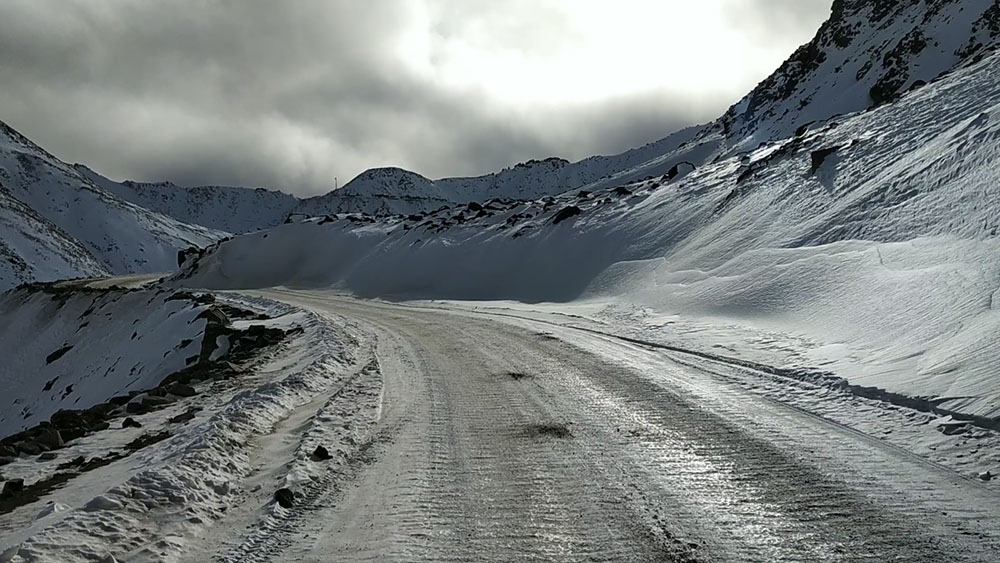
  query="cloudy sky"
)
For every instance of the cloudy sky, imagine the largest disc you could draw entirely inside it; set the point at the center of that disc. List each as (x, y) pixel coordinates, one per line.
(293, 94)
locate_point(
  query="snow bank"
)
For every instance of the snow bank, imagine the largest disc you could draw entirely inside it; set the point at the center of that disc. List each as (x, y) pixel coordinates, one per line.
(73, 348)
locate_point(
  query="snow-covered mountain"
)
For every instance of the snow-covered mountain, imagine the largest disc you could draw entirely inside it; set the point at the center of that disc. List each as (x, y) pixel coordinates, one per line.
(56, 223)
(395, 191)
(868, 53)
(867, 242)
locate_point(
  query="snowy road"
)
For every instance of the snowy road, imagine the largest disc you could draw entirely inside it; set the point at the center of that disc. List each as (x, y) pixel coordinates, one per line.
(505, 439)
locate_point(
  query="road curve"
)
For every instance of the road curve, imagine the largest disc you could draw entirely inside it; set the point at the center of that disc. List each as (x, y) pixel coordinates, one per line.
(505, 440)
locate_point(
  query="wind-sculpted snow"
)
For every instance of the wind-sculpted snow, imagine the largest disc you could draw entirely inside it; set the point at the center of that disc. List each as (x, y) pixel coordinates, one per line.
(875, 231)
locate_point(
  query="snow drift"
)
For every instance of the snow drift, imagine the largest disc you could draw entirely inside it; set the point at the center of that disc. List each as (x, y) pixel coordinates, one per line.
(874, 231)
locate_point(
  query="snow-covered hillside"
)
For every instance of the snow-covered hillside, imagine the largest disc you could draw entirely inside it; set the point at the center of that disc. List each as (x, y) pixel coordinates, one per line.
(868, 53)
(58, 224)
(72, 348)
(869, 241)
(395, 191)
(224, 208)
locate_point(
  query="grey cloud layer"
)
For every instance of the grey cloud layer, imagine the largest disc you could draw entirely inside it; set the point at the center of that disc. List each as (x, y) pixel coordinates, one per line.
(291, 94)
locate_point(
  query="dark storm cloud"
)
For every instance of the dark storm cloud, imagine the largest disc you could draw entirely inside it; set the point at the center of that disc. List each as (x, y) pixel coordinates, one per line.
(291, 94)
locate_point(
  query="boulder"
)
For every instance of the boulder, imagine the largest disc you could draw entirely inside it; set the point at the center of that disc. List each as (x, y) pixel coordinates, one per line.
(48, 456)
(285, 498)
(51, 439)
(135, 408)
(131, 423)
(151, 403)
(565, 213)
(182, 390)
(321, 454)
(12, 487)
(986, 476)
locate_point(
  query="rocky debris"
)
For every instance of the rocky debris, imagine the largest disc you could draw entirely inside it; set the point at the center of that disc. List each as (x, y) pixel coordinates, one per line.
(130, 422)
(185, 416)
(986, 476)
(147, 440)
(680, 168)
(187, 253)
(78, 461)
(584, 194)
(473, 206)
(48, 456)
(285, 498)
(565, 213)
(12, 487)
(321, 454)
(622, 191)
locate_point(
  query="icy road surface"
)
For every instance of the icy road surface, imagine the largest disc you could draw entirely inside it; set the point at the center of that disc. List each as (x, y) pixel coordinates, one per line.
(508, 439)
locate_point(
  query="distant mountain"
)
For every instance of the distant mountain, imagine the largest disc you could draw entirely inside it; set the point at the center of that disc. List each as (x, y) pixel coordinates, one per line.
(388, 191)
(868, 53)
(56, 223)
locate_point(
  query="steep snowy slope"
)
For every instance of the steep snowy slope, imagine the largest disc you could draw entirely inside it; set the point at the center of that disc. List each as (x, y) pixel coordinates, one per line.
(62, 212)
(868, 53)
(874, 236)
(32, 248)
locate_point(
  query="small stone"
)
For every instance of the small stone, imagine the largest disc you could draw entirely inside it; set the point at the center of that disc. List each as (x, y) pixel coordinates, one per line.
(986, 476)
(321, 454)
(183, 417)
(131, 423)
